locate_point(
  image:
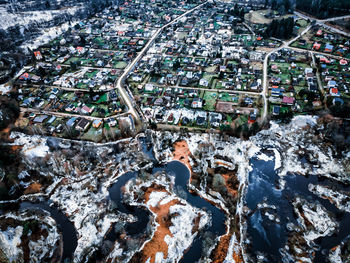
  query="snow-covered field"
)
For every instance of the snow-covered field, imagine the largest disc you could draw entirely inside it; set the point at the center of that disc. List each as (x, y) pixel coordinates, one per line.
(9, 19)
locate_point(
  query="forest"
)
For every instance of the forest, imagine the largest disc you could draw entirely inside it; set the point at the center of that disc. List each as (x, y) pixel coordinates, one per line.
(324, 8)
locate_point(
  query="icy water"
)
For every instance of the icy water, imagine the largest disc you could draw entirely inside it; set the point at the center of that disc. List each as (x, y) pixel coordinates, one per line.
(268, 236)
(65, 226)
(182, 176)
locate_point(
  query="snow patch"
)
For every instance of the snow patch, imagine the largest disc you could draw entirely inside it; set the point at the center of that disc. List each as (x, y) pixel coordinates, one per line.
(10, 241)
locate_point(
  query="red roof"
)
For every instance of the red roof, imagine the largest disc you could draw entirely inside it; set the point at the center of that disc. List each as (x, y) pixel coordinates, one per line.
(334, 90)
(317, 46)
(343, 62)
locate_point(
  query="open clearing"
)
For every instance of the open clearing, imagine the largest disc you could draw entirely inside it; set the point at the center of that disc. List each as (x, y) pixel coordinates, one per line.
(258, 16)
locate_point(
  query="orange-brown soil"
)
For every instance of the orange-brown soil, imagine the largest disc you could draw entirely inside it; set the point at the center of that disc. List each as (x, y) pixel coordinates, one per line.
(182, 153)
(229, 187)
(221, 250)
(157, 243)
(33, 188)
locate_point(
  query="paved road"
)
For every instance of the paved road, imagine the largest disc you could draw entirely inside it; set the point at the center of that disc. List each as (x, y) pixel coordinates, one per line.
(286, 45)
(265, 80)
(214, 90)
(318, 77)
(322, 22)
(130, 67)
(61, 114)
(305, 16)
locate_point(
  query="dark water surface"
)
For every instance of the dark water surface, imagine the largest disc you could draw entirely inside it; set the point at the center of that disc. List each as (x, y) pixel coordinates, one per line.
(268, 236)
(182, 176)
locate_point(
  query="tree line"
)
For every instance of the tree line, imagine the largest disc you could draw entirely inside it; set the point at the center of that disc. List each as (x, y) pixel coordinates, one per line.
(324, 8)
(281, 28)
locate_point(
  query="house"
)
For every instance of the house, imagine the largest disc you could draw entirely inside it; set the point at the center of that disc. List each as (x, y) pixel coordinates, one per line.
(319, 33)
(51, 120)
(149, 87)
(185, 120)
(274, 68)
(308, 70)
(86, 110)
(59, 128)
(334, 92)
(82, 125)
(316, 46)
(38, 55)
(35, 78)
(343, 62)
(255, 85)
(40, 118)
(215, 119)
(197, 103)
(158, 102)
(252, 117)
(331, 84)
(288, 100)
(71, 121)
(96, 123)
(203, 82)
(324, 60)
(112, 122)
(81, 50)
(316, 104)
(276, 110)
(201, 120)
(313, 87)
(24, 76)
(276, 92)
(328, 48)
(136, 78)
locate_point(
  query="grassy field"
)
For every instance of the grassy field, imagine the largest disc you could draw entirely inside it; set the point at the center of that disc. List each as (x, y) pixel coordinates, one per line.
(210, 100)
(258, 16)
(120, 65)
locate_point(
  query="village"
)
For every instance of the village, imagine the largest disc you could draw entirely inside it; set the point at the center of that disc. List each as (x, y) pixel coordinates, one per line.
(180, 66)
(178, 131)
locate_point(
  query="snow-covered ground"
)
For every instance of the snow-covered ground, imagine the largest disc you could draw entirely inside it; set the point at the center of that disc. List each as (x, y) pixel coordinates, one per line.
(47, 35)
(83, 193)
(87, 210)
(182, 215)
(287, 142)
(319, 222)
(33, 146)
(9, 19)
(340, 199)
(4, 89)
(10, 241)
(40, 249)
